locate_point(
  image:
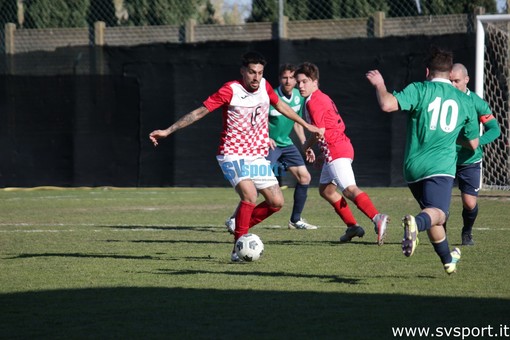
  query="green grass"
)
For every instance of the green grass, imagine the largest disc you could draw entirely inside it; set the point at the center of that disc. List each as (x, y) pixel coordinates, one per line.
(155, 263)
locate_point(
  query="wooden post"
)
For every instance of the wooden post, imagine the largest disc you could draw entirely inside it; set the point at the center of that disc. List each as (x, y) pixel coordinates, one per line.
(190, 31)
(99, 28)
(284, 30)
(99, 41)
(10, 47)
(479, 10)
(20, 13)
(378, 19)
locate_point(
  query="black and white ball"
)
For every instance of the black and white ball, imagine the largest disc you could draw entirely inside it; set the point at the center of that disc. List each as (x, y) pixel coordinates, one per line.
(249, 247)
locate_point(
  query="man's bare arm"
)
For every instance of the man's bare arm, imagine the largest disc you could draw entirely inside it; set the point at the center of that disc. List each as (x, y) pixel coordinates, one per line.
(387, 101)
(286, 110)
(184, 121)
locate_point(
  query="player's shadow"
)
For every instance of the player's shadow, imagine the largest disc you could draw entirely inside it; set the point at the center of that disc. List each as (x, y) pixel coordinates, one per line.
(82, 255)
(206, 228)
(182, 313)
(181, 241)
(314, 243)
(328, 278)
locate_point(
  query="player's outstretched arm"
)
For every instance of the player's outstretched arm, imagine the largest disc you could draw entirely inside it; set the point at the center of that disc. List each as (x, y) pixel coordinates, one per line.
(184, 121)
(285, 110)
(387, 101)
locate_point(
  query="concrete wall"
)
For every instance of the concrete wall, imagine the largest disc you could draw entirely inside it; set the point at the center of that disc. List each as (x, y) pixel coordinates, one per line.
(27, 40)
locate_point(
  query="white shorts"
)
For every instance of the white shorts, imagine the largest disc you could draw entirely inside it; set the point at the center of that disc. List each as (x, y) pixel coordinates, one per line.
(256, 168)
(339, 172)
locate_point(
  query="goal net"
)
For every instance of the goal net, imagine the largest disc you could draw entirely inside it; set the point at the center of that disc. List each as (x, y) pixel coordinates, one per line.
(492, 84)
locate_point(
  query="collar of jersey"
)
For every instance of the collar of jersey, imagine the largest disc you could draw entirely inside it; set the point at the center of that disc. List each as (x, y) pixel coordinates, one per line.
(442, 80)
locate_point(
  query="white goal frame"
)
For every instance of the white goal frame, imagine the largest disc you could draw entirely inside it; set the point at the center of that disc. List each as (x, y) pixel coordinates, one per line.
(480, 71)
(480, 46)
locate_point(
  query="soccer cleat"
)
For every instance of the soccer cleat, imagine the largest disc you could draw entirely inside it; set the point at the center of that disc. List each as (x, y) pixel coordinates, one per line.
(230, 223)
(352, 232)
(467, 239)
(410, 241)
(451, 267)
(301, 224)
(235, 258)
(380, 222)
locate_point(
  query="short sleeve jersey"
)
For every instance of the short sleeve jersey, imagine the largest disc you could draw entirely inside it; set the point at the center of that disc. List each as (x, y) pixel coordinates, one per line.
(245, 118)
(323, 113)
(438, 112)
(280, 126)
(467, 156)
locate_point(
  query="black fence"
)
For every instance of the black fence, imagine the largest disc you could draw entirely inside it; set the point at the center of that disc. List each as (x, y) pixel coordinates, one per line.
(92, 129)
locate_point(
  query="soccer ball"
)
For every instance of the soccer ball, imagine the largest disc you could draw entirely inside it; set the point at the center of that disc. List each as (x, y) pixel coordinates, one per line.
(249, 247)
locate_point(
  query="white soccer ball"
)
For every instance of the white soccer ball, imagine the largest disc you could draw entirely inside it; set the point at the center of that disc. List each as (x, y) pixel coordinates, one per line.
(249, 247)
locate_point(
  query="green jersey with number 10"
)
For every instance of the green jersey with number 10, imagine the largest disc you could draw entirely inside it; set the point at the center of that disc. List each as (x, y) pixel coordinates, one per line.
(438, 114)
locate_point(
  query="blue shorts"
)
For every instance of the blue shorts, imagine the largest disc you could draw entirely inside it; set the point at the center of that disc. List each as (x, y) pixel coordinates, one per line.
(287, 156)
(468, 178)
(433, 192)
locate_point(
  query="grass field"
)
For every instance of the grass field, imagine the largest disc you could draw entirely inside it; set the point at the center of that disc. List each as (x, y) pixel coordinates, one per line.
(155, 263)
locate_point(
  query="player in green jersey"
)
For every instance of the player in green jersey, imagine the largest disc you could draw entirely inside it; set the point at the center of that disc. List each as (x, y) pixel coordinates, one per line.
(438, 116)
(469, 162)
(282, 150)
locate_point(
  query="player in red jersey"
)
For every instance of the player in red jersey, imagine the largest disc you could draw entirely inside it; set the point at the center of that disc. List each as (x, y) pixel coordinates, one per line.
(244, 140)
(338, 155)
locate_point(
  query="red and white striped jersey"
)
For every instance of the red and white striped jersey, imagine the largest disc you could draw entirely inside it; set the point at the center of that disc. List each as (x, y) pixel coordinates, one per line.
(245, 118)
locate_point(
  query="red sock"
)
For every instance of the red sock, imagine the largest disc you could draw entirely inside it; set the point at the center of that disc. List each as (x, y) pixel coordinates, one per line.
(345, 213)
(364, 203)
(261, 212)
(243, 216)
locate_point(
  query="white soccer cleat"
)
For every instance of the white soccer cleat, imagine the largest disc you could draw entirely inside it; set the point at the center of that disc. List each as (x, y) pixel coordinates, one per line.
(235, 258)
(302, 224)
(230, 223)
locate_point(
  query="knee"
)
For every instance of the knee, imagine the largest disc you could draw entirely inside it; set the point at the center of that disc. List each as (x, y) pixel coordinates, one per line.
(323, 192)
(277, 204)
(249, 198)
(330, 194)
(304, 178)
(442, 217)
(351, 192)
(469, 205)
(469, 201)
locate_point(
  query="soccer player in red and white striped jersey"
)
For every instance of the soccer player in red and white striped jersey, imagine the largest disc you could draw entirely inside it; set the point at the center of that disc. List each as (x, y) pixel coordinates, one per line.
(244, 140)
